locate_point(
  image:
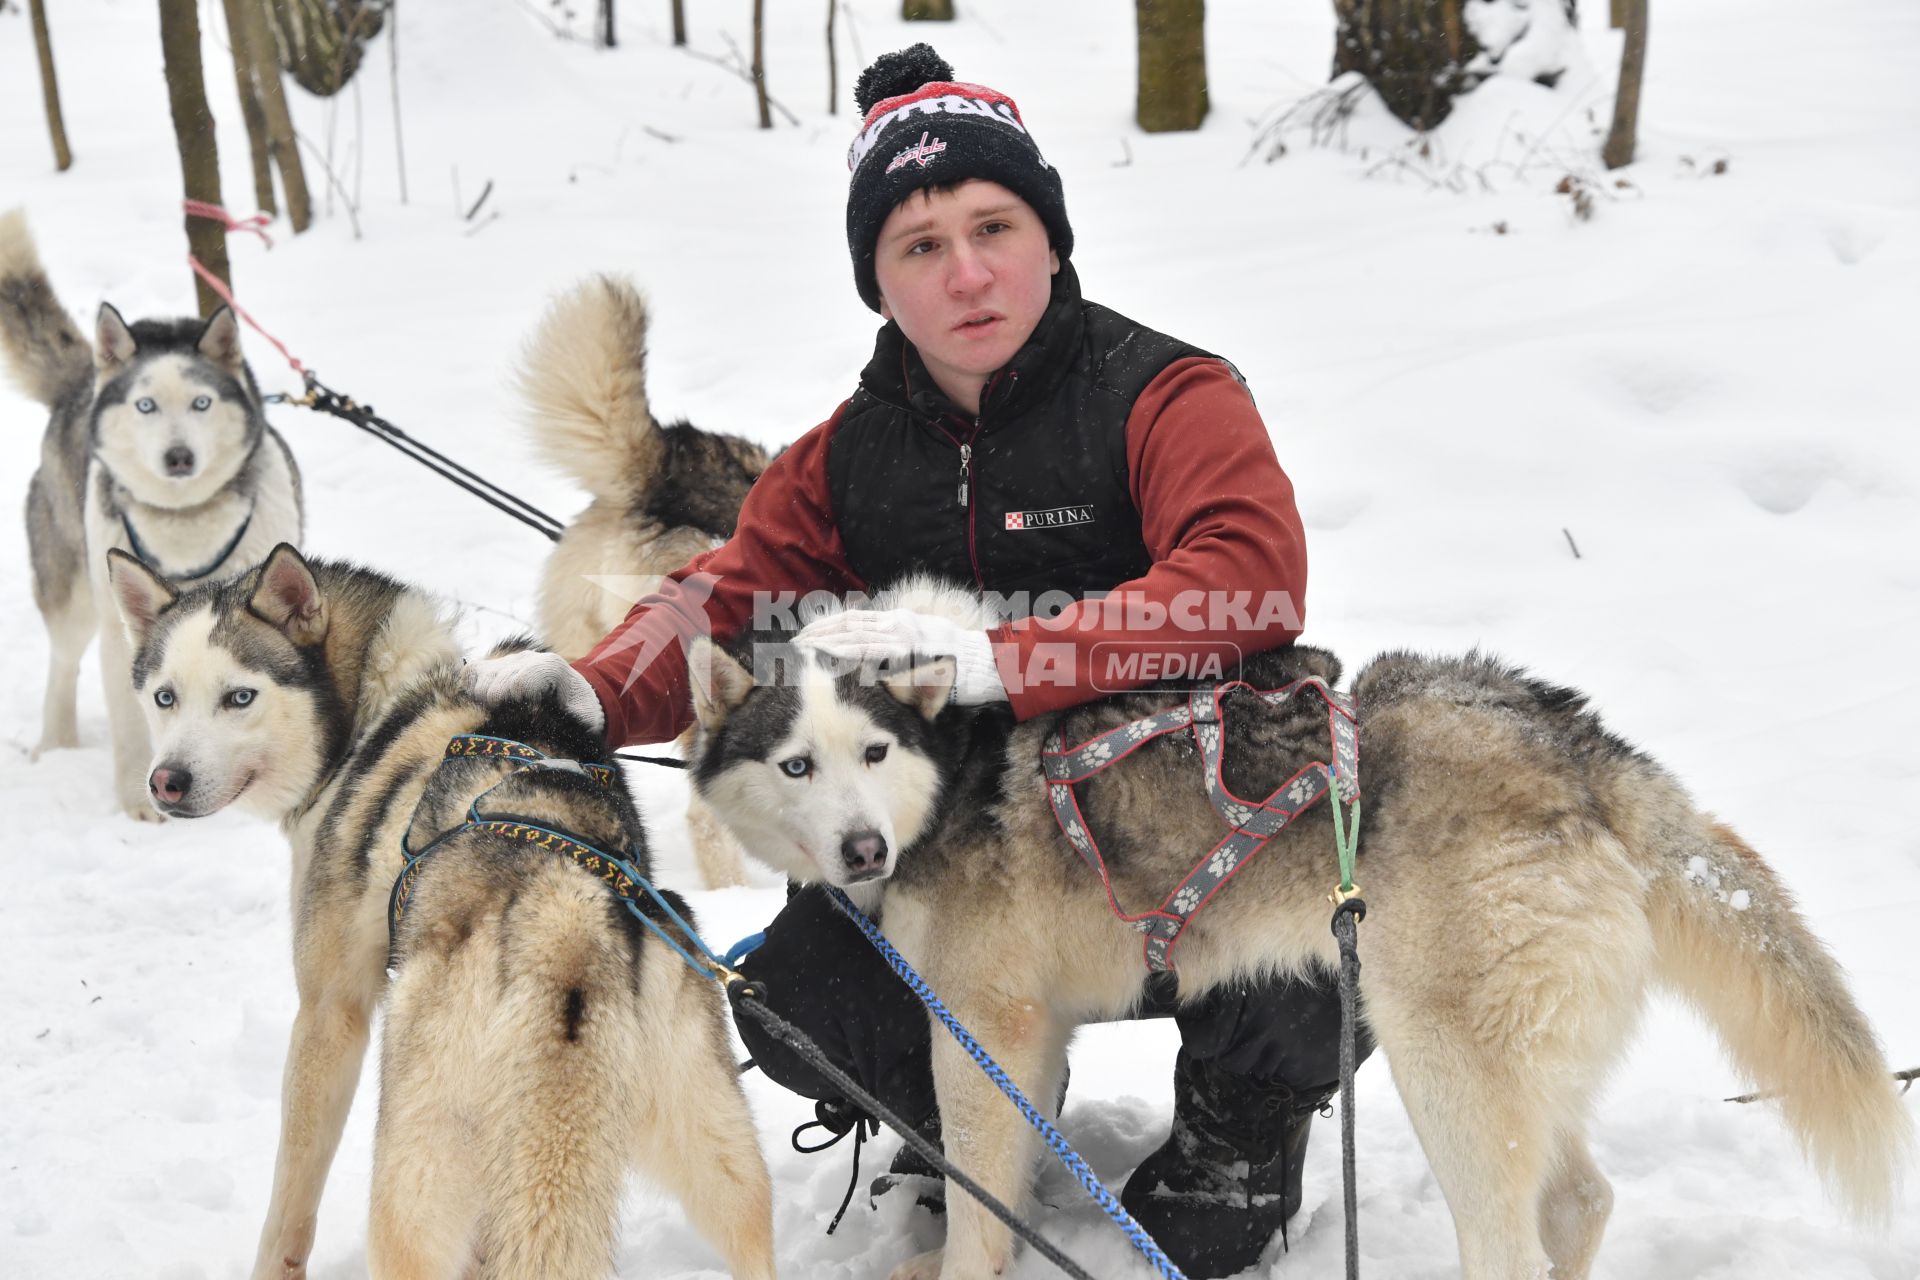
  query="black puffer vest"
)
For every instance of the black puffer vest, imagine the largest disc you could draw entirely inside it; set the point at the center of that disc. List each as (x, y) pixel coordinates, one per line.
(1030, 497)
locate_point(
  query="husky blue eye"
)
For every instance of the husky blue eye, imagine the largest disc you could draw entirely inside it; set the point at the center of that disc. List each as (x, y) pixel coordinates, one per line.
(145, 404)
(797, 767)
(239, 697)
(203, 403)
(163, 697)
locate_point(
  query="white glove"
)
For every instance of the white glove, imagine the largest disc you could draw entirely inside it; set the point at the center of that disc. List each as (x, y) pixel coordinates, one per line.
(879, 634)
(529, 674)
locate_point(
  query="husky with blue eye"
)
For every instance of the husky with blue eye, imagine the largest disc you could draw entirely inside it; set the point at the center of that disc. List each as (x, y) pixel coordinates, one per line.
(158, 446)
(1529, 876)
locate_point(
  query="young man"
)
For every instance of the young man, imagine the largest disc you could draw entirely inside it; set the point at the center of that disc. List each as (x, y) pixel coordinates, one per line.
(1010, 434)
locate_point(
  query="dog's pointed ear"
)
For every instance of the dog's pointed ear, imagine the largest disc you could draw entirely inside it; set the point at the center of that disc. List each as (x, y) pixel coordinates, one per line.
(926, 688)
(220, 341)
(113, 343)
(141, 593)
(720, 684)
(287, 596)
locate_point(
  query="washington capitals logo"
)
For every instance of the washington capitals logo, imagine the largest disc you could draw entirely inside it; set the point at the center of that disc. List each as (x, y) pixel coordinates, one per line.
(920, 153)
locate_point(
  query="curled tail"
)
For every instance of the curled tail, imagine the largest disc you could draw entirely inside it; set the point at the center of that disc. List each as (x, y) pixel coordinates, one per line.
(583, 377)
(43, 350)
(1731, 941)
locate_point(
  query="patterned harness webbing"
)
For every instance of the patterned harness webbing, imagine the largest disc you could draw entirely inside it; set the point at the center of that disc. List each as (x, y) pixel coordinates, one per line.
(1254, 822)
(616, 872)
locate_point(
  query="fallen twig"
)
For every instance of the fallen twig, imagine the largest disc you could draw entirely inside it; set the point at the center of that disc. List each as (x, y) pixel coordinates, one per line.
(1906, 1079)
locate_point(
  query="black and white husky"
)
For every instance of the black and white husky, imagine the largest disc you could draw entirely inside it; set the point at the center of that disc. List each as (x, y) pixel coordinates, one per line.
(157, 446)
(537, 1043)
(1529, 876)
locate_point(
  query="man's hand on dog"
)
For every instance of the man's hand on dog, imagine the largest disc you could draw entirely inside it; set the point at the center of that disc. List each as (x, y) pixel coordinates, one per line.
(528, 675)
(881, 634)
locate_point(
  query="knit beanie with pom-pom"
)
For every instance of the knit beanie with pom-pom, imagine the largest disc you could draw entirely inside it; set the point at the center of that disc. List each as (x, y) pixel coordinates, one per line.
(922, 128)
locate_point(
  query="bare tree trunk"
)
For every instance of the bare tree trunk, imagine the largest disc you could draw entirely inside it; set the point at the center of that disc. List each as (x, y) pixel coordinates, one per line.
(193, 130)
(1626, 102)
(760, 62)
(927, 10)
(679, 23)
(252, 112)
(1172, 91)
(1617, 13)
(248, 21)
(604, 25)
(833, 63)
(50, 87)
(1415, 53)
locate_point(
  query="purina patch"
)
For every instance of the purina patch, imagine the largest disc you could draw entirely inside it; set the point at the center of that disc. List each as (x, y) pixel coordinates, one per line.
(1052, 518)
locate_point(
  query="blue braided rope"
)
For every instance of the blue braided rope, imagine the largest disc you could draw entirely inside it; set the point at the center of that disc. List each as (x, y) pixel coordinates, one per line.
(1054, 1140)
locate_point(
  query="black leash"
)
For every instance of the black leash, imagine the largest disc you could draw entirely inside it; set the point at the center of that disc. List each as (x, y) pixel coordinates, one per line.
(325, 399)
(750, 998)
(665, 762)
(1346, 927)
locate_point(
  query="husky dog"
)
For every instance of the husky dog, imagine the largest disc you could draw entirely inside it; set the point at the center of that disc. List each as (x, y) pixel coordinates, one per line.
(1528, 876)
(537, 1042)
(661, 495)
(158, 446)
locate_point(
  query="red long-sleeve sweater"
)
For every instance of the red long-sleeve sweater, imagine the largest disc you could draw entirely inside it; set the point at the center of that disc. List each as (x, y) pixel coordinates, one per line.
(1216, 513)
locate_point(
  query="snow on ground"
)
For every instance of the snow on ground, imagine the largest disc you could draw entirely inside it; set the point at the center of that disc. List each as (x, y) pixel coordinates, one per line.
(1699, 387)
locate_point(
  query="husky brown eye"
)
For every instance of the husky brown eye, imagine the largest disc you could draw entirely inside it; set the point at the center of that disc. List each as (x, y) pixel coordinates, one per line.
(163, 697)
(796, 766)
(876, 753)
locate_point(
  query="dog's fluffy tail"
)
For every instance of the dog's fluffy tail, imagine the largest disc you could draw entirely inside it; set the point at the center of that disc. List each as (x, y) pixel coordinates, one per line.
(44, 352)
(1731, 941)
(564, 1037)
(584, 379)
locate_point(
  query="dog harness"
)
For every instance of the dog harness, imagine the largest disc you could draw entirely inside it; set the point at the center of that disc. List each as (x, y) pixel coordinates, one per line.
(1253, 823)
(613, 870)
(146, 557)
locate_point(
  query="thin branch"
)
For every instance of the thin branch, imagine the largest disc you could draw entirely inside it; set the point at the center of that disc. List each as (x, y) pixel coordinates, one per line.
(333, 181)
(735, 65)
(393, 79)
(484, 193)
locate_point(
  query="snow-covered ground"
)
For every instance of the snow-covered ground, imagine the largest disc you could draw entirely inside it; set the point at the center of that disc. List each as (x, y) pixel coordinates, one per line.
(1699, 387)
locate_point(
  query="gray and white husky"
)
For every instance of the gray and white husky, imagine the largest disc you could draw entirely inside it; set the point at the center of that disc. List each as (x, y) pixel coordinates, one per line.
(1529, 876)
(538, 1043)
(157, 446)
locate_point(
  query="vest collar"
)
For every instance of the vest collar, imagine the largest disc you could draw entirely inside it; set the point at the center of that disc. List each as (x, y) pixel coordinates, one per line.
(897, 376)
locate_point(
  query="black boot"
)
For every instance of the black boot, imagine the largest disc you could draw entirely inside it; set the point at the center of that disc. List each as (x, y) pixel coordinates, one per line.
(912, 1171)
(1228, 1176)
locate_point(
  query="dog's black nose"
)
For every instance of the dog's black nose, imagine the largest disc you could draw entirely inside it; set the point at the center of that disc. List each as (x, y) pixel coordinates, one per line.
(865, 853)
(179, 460)
(170, 785)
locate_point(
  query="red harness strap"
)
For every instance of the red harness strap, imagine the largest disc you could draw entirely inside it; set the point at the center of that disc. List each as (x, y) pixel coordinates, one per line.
(1252, 823)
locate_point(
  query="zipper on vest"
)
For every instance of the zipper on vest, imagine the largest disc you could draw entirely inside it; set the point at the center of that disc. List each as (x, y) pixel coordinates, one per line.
(966, 465)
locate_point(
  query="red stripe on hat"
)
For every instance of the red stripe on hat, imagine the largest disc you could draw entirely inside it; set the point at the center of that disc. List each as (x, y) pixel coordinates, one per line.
(939, 89)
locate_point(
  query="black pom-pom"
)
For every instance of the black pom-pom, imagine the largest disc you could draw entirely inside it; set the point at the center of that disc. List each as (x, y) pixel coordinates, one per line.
(893, 74)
